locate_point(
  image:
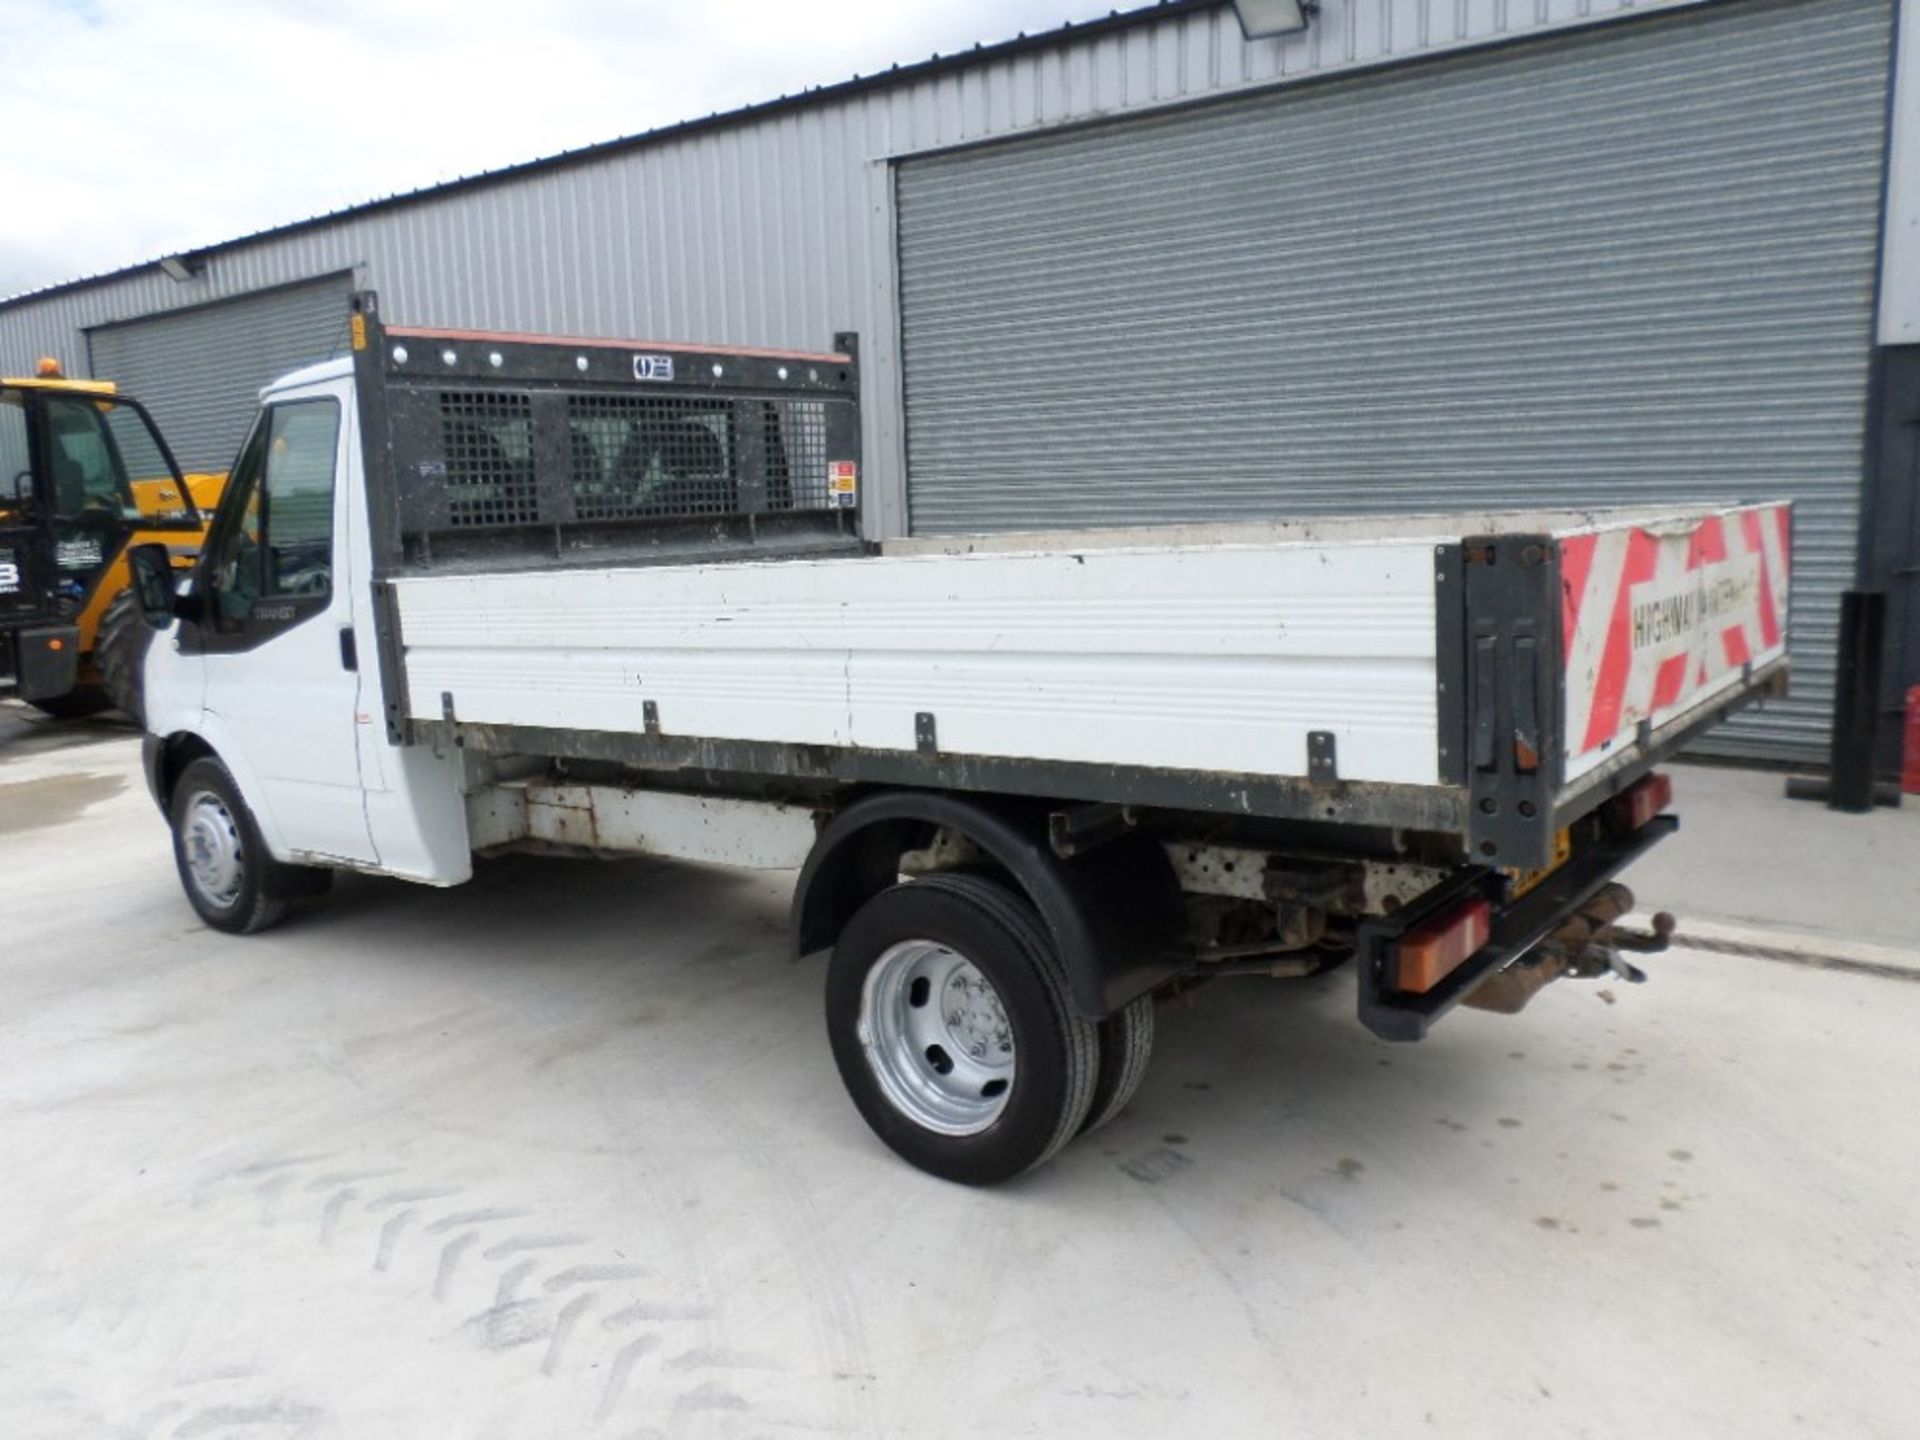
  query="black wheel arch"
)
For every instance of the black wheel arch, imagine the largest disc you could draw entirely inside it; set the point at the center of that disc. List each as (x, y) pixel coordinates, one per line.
(1115, 911)
(166, 758)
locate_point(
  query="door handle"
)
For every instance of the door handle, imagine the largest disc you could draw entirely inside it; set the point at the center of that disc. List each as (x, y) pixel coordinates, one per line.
(349, 652)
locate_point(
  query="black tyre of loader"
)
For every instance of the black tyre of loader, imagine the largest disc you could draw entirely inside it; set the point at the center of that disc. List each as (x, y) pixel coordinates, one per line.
(77, 704)
(120, 653)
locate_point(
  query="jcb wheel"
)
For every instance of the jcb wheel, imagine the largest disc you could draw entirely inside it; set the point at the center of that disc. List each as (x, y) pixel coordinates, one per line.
(77, 704)
(120, 651)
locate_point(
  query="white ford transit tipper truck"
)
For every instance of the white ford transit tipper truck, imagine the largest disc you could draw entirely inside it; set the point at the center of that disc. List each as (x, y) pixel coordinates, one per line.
(469, 592)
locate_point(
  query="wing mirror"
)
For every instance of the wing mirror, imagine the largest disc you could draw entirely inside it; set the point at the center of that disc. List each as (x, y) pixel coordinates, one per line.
(150, 570)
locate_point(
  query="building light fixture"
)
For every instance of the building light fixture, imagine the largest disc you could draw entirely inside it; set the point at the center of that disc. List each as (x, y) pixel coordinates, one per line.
(180, 269)
(1260, 19)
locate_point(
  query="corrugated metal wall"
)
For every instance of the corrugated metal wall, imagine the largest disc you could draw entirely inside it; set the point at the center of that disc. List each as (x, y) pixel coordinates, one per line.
(200, 372)
(777, 230)
(1631, 265)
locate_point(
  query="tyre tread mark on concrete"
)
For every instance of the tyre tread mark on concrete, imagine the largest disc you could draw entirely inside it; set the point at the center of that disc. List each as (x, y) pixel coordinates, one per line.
(390, 1238)
(268, 1193)
(624, 1359)
(330, 1215)
(594, 1274)
(709, 1395)
(719, 1357)
(508, 1290)
(519, 1244)
(406, 1197)
(290, 1162)
(508, 1326)
(281, 1413)
(475, 1217)
(349, 1177)
(563, 1327)
(512, 1321)
(450, 1254)
(656, 1310)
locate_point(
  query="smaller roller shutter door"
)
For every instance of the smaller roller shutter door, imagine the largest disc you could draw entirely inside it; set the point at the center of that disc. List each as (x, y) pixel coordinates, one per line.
(200, 371)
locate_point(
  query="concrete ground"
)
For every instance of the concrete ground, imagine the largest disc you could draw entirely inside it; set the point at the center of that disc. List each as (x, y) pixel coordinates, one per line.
(563, 1154)
(1746, 856)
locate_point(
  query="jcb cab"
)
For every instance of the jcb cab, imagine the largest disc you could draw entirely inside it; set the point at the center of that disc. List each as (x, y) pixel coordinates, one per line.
(84, 473)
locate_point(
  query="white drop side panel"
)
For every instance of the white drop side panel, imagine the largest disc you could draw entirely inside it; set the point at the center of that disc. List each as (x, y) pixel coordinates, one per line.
(1220, 659)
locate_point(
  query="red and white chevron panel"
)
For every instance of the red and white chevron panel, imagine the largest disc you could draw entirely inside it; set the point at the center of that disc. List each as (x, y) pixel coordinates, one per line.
(1656, 620)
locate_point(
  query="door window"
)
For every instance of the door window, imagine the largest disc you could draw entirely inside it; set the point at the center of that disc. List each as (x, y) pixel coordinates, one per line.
(302, 441)
(276, 525)
(87, 476)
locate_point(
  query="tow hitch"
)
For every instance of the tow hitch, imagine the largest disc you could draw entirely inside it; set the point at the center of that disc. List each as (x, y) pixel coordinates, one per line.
(1589, 945)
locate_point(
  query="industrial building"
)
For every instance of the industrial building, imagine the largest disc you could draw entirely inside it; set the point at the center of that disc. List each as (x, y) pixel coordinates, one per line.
(1418, 254)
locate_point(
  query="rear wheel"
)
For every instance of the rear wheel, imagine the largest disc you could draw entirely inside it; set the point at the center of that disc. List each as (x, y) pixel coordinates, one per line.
(76, 704)
(948, 1013)
(120, 650)
(1126, 1045)
(231, 880)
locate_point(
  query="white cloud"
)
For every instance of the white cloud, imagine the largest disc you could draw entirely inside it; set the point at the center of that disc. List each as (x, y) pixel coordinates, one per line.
(138, 128)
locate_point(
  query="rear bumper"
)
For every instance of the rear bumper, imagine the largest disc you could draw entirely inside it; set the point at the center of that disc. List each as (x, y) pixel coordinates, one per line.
(1517, 927)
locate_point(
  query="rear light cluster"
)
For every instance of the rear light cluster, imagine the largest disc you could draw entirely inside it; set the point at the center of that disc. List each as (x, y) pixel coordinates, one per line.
(1433, 951)
(1634, 807)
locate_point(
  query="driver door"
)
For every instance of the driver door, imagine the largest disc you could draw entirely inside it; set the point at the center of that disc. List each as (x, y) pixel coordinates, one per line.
(276, 603)
(90, 504)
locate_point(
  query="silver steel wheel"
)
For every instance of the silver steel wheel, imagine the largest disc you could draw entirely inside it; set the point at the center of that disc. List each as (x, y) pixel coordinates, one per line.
(936, 1038)
(216, 861)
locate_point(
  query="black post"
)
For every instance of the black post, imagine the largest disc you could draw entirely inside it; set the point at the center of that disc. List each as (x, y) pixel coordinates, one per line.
(1850, 785)
(1856, 701)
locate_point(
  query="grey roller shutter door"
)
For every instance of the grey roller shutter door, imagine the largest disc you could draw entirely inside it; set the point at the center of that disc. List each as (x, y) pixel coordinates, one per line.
(200, 371)
(1635, 264)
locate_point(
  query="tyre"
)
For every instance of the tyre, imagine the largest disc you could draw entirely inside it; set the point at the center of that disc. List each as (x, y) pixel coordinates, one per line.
(1126, 1045)
(949, 1017)
(231, 881)
(77, 704)
(120, 652)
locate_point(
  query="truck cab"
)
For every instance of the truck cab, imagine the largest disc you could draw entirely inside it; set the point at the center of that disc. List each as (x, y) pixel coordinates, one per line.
(262, 663)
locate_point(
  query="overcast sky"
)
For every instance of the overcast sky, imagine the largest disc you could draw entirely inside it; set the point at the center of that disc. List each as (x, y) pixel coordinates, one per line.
(137, 128)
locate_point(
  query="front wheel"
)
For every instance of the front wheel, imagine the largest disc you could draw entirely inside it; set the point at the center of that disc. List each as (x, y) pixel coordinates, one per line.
(949, 1017)
(231, 880)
